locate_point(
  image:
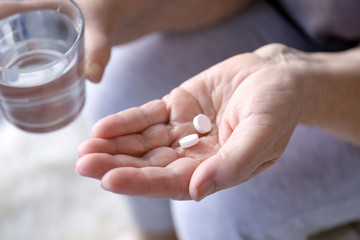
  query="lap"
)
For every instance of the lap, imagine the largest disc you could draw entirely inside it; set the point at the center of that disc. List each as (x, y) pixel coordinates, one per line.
(313, 186)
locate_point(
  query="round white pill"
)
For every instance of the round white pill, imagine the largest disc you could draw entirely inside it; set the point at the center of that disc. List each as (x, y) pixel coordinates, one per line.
(189, 140)
(202, 123)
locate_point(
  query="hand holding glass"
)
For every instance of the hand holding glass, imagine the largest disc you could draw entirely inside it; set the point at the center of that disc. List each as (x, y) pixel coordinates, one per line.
(42, 85)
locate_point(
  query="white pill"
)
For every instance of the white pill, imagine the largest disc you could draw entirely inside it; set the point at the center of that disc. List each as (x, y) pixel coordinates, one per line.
(202, 123)
(189, 141)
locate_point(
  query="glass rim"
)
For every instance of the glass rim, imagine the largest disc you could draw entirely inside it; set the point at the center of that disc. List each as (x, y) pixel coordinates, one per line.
(79, 36)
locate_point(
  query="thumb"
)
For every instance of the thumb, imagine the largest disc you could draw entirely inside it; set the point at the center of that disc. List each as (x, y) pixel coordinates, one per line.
(98, 51)
(238, 160)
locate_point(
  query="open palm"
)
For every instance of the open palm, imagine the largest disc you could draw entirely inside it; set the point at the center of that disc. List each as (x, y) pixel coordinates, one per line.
(253, 105)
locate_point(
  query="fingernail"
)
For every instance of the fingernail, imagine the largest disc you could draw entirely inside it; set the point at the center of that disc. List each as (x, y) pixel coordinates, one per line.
(204, 190)
(94, 72)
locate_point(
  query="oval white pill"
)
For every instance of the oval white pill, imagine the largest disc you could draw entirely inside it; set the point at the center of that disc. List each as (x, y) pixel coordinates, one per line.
(189, 140)
(202, 123)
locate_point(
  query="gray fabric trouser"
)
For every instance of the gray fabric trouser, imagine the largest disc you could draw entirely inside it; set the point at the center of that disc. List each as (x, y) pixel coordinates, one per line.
(315, 184)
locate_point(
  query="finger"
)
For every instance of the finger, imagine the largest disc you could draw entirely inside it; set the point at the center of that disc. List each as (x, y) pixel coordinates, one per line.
(134, 144)
(130, 121)
(261, 168)
(98, 51)
(95, 165)
(233, 164)
(207, 189)
(153, 182)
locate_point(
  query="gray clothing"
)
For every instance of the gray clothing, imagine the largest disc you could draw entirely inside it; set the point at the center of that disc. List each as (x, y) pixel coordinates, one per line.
(332, 23)
(314, 185)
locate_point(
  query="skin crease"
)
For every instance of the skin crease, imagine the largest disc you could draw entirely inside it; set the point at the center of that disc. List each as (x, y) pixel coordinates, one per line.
(242, 107)
(254, 100)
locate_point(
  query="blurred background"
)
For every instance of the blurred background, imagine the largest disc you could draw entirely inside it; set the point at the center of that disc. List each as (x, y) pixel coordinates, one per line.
(41, 195)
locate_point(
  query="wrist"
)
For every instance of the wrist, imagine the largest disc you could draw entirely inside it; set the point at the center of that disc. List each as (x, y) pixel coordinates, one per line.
(331, 91)
(310, 73)
(296, 75)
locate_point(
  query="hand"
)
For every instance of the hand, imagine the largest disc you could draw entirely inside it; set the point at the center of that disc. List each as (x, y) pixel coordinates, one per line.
(115, 22)
(254, 102)
(110, 23)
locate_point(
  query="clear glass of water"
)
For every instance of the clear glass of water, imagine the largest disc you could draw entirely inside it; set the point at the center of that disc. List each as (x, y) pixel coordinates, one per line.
(42, 84)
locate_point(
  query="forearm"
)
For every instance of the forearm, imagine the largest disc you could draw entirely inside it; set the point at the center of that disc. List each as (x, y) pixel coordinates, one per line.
(333, 93)
(182, 15)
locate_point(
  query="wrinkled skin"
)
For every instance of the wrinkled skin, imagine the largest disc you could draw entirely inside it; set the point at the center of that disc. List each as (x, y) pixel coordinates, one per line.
(254, 102)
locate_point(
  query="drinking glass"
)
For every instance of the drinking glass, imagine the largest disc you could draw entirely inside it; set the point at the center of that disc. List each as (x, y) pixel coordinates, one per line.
(42, 84)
